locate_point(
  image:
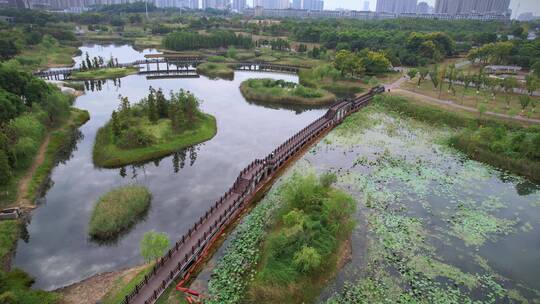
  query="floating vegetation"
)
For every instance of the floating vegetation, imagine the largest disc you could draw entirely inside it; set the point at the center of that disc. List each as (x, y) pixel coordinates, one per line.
(424, 202)
(474, 226)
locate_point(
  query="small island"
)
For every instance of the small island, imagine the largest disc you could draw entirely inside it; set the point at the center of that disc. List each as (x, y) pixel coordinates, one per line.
(281, 91)
(216, 70)
(118, 210)
(152, 128)
(104, 73)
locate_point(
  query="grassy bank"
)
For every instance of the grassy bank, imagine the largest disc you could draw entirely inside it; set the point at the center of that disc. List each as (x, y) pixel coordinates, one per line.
(107, 73)
(107, 154)
(9, 233)
(118, 210)
(279, 91)
(505, 145)
(124, 285)
(301, 250)
(216, 70)
(60, 141)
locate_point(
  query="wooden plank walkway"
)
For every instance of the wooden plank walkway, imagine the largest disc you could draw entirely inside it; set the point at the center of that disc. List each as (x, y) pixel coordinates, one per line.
(192, 247)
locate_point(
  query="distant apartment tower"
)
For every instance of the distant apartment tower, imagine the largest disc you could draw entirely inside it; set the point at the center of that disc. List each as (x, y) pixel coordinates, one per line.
(453, 7)
(239, 5)
(274, 4)
(366, 6)
(296, 4)
(313, 5)
(396, 6)
(217, 4)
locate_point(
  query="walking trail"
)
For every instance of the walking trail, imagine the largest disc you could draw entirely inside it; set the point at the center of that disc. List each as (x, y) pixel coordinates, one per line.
(22, 189)
(395, 88)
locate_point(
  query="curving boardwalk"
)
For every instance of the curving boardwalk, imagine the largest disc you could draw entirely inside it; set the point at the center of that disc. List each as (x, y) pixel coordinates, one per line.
(192, 247)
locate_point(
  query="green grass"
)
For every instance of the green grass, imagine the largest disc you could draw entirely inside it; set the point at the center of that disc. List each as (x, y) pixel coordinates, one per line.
(118, 210)
(256, 90)
(122, 287)
(107, 154)
(60, 138)
(107, 73)
(9, 233)
(216, 70)
(472, 99)
(16, 288)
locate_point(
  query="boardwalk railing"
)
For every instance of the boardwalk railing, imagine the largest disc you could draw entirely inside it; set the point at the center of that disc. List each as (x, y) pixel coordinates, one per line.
(180, 64)
(192, 246)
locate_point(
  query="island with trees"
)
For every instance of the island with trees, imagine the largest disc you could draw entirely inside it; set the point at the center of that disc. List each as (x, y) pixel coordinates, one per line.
(285, 92)
(154, 127)
(97, 69)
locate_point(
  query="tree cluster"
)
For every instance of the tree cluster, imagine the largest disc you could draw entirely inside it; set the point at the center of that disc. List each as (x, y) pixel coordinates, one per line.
(185, 40)
(97, 62)
(28, 106)
(353, 65)
(181, 108)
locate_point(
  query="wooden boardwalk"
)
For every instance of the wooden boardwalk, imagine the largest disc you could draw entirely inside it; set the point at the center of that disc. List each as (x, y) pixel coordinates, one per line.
(192, 247)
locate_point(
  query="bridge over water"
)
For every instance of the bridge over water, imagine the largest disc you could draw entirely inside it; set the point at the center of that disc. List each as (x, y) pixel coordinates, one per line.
(193, 247)
(173, 67)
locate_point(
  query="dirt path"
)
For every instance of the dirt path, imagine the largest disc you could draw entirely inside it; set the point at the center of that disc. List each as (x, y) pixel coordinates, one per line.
(22, 188)
(91, 290)
(450, 103)
(394, 88)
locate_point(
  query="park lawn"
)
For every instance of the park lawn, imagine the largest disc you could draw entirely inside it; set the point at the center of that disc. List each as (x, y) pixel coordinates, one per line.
(253, 90)
(118, 210)
(107, 154)
(9, 233)
(216, 70)
(469, 98)
(107, 73)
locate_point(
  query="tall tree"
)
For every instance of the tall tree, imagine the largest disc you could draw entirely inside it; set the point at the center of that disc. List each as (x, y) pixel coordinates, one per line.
(154, 245)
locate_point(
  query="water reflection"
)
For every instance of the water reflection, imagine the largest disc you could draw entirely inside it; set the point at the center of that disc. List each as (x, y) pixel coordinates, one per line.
(178, 162)
(183, 185)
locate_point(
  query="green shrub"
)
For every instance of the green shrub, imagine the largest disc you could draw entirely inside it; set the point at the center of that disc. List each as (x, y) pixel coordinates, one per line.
(5, 169)
(118, 210)
(135, 138)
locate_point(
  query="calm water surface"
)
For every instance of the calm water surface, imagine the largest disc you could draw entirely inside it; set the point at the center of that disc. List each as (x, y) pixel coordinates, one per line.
(58, 252)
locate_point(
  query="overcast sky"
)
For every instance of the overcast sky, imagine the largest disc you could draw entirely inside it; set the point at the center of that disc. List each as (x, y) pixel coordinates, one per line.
(525, 5)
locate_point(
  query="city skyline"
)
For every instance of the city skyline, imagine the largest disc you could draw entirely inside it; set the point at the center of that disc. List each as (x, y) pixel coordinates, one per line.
(525, 5)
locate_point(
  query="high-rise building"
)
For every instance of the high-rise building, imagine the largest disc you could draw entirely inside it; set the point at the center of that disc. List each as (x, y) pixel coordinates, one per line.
(313, 5)
(366, 6)
(296, 4)
(239, 5)
(217, 4)
(396, 6)
(453, 7)
(275, 4)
